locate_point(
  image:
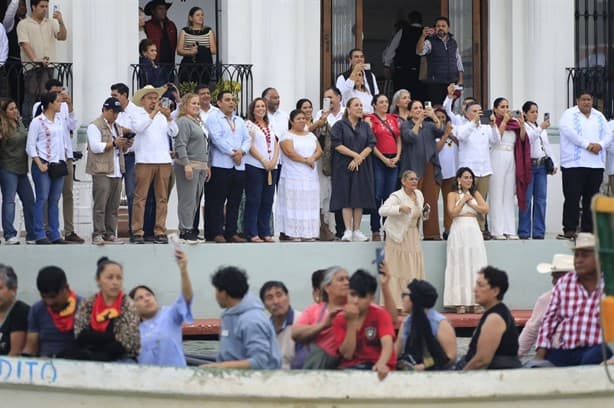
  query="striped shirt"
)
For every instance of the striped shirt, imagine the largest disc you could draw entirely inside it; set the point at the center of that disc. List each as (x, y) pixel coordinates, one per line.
(202, 37)
(576, 311)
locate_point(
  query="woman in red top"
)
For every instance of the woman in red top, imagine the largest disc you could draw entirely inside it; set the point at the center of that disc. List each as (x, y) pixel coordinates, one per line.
(387, 152)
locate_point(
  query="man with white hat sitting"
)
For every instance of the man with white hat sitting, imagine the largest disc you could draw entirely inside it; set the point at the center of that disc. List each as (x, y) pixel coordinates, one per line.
(561, 265)
(574, 308)
(154, 130)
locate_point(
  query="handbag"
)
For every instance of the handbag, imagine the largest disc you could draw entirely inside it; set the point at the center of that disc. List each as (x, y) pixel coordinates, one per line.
(57, 170)
(548, 162)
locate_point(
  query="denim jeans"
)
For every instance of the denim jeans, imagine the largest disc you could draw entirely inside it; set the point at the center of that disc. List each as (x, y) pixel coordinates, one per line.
(48, 192)
(258, 202)
(577, 356)
(535, 212)
(12, 184)
(150, 204)
(385, 184)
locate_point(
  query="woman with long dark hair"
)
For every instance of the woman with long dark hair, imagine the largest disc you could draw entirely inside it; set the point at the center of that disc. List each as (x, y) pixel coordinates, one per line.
(465, 253)
(196, 44)
(426, 340)
(14, 173)
(47, 146)
(511, 170)
(261, 173)
(532, 220)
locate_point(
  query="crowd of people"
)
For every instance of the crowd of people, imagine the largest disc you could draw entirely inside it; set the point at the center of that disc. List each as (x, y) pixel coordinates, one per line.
(342, 329)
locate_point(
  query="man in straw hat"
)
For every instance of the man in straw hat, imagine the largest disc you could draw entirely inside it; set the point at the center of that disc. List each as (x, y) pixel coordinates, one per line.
(154, 129)
(561, 264)
(574, 308)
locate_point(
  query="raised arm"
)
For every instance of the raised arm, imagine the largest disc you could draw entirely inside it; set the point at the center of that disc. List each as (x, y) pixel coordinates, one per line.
(186, 283)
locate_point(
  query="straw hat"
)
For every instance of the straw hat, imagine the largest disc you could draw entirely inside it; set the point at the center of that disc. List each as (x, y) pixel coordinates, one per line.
(560, 263)
(137, 98)
(584, 240)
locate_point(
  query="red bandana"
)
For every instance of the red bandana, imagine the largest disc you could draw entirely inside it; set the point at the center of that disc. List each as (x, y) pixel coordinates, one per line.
(103, 314)
(64, 320)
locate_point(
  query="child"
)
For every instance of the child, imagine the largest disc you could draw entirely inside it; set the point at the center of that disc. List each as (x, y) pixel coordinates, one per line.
(150, 73)
(364, 332)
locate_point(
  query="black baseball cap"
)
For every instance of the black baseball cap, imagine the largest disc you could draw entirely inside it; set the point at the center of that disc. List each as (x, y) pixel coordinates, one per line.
(112, 103)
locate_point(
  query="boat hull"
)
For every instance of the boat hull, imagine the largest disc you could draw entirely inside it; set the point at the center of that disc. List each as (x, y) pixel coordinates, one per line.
(60, 383)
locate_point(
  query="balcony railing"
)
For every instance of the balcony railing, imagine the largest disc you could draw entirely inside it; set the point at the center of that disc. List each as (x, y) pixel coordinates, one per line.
(24, 82)
(597, 80)
(237, 77)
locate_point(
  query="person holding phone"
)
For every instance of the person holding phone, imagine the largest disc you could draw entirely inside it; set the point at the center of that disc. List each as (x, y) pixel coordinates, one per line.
(419, 137)
(511, 166)
(160, 328)
(105, 163)
(403, 250)
(387, 153)
(532, 220)
(346, 82)
(197, 46)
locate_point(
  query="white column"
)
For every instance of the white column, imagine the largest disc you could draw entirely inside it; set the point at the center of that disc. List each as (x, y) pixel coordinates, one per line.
(104, 43)
(281, 38)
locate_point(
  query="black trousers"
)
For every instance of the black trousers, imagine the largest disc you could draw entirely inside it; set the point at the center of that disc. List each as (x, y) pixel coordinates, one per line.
(579, 182)
(407, 78)
(225, 188)
(436, 93)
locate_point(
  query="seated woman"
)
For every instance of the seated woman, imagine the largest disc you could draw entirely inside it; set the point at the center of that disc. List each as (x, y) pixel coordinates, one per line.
(107, 324)
(314, 327)
(13, 315)
(494, 344)
(426, 340)
(160, 328)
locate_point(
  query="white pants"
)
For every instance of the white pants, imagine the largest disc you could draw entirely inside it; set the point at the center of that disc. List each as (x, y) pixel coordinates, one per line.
(501, 194)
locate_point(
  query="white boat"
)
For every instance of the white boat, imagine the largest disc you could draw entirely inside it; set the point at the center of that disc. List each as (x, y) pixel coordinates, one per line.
(27, 382)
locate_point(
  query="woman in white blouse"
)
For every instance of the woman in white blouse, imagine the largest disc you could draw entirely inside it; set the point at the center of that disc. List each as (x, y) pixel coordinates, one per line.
(532, 220)
(260, 173)
(47, 146)
(360, 91)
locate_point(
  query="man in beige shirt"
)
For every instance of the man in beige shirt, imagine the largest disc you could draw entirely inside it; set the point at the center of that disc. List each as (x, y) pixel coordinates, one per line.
(37, 35)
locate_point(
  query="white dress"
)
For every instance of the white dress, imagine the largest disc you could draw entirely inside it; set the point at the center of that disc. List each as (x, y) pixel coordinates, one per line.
(466, 255)
(501, 219)
(297, 212)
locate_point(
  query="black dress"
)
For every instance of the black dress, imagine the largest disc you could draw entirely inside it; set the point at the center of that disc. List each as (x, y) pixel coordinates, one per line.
(352, 189)
(15, 321)
(197, 68)
(506, 355)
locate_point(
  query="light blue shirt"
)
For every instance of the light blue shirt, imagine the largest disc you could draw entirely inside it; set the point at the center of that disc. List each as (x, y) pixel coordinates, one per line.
(225, 141)
(161, 337)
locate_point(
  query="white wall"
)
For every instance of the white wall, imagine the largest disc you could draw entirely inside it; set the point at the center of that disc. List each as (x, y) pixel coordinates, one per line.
(281, 38)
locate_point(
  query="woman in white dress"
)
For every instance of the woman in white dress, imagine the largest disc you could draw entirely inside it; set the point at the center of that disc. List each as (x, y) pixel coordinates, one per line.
(466, 253)
(503, 179)
(298, 195)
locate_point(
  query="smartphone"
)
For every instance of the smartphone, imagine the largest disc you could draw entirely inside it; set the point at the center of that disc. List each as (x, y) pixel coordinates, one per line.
(326, 104)
(426, 212)
(485, 117)
(379, 257)
(546, 116)
(129, 135)
(428, 105)
(165, 102)
(173, 240)
(458, 87)
(516, 114)
(56, 8)
(366, 66)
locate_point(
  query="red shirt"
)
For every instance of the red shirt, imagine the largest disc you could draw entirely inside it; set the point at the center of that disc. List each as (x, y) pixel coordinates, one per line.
(386, 141)
(576, 311)
(376, 325)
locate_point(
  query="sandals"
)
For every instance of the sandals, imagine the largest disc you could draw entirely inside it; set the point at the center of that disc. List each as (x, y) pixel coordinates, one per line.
(256, 240)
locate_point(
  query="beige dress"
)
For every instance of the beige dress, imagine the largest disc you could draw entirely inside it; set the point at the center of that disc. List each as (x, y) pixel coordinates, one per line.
(403, 250)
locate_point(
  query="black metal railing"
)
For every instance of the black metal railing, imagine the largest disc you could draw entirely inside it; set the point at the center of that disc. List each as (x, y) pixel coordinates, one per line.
(234, 77)
(599, 81)
(24, 82)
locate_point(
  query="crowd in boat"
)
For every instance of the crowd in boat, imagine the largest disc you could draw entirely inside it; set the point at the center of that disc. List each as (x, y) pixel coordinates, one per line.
(343, 328)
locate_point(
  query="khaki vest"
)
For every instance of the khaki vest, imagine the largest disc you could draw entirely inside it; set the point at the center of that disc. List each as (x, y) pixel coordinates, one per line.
(103, 163)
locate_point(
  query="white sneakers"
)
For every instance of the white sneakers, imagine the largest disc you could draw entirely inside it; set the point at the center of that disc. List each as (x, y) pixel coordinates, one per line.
(355, 236)
(12, 241)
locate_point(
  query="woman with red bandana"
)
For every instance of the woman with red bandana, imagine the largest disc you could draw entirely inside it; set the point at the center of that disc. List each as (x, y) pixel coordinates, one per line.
(107, 324)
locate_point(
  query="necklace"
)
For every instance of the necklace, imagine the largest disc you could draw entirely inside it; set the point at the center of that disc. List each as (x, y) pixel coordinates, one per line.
(231, 124)
(267, 135)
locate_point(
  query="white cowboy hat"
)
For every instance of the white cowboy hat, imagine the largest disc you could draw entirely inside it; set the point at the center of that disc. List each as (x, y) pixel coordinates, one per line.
(584, 240)
(560, 263)
(137, 98)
